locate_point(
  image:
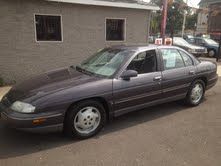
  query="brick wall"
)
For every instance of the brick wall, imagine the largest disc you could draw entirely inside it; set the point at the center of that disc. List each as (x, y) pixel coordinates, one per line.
(83, 33)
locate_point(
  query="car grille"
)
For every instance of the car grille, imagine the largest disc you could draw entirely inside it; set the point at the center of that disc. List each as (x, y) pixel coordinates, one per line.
(200, 50)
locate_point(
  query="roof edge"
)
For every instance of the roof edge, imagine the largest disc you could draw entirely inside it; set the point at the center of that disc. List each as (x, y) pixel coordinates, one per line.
(110, 4)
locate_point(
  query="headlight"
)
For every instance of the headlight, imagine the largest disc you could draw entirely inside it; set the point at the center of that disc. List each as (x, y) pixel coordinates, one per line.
(22, 107)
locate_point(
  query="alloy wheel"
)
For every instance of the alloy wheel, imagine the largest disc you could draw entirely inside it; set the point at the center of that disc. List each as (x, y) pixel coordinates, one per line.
(87, 120)
(197, 93)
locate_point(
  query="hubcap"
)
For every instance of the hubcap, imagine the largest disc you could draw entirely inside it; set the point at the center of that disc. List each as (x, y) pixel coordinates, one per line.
(197, 93)
(87, 120)
(211, 53)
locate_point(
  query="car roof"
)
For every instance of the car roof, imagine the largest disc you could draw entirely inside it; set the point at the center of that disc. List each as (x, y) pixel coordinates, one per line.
(141, 47)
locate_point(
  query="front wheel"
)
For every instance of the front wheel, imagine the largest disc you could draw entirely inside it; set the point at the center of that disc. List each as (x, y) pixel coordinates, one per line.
(211, 53)
(85, 119)
(195, 93)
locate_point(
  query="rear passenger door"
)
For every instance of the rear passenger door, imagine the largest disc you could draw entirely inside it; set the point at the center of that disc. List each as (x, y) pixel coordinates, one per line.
(175, 74)
(190, 67)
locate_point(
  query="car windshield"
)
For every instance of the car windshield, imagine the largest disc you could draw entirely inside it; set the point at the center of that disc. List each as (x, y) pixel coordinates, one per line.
(105, 62)
(180, 41)
(210, 41)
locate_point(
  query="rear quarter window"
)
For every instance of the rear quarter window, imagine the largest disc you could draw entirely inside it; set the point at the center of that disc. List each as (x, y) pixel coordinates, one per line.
(186, 58)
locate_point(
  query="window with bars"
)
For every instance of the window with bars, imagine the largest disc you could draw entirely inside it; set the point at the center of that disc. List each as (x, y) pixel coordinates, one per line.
(115, 29)
(48, 28)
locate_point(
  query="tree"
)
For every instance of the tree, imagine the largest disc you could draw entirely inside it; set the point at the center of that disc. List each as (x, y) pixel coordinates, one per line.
(175, 14)
(155, 23)
(191, 21)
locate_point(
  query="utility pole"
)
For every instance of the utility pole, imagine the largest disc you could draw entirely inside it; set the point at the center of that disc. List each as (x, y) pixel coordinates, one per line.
(164, 20)
(184, 21)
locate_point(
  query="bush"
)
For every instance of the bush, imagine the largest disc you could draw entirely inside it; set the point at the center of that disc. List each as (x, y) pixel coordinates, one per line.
(1, 81)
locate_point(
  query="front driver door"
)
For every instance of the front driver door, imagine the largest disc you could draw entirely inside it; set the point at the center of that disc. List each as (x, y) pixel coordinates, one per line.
(139, 91)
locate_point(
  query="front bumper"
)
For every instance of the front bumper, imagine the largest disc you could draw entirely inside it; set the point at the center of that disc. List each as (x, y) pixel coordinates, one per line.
(199, 53)
(36, 121)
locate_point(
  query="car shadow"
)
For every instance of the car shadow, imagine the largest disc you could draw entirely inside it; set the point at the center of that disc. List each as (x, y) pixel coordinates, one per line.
(15, 143)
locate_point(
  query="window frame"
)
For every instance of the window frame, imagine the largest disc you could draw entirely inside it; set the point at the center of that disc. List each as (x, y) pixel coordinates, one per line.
(48, 41)
(183, 58)
(136, 55)
(162, 63)
(125, 29)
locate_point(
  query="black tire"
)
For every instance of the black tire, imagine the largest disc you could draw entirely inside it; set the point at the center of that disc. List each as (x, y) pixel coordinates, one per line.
(69, 126)
(188, 99)
(211, 53)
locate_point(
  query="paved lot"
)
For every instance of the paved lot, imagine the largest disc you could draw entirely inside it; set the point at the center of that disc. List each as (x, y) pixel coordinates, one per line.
(164, 135)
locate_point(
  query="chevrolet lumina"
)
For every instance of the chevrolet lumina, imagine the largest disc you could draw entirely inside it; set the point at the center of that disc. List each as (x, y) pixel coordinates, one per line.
(112, 82)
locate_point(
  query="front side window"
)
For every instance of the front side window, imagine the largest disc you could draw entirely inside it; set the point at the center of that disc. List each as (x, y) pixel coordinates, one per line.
(48, 28)
(171, 59)
(144, 62)
(115, 29)
(186, 58)
(105, 62)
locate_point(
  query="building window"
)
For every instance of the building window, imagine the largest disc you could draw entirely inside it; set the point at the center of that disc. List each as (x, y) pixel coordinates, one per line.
(115, 29)
(48, 28)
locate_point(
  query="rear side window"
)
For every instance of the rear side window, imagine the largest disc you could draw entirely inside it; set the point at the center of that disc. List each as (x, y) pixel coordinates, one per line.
(144, 62)
(171, 59)
(186, 58)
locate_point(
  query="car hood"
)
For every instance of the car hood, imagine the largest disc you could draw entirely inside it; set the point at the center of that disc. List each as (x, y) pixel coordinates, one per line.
(48, 83)
(214, 45)
(189, 46)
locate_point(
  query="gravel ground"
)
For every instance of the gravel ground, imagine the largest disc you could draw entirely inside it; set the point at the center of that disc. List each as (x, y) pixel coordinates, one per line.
(164, 135)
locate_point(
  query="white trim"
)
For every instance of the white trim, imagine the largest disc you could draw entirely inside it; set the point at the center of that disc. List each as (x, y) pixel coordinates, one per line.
(49, 41)
(111, 4)
(125, 29)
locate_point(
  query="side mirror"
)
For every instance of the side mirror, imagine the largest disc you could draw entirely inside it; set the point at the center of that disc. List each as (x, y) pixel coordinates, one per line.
(126, 75)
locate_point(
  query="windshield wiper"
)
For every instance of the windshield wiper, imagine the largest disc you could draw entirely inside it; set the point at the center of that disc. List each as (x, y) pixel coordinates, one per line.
(78, 68)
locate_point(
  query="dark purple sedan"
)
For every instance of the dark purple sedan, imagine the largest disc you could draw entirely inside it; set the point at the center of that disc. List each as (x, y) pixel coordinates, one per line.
(112, 82)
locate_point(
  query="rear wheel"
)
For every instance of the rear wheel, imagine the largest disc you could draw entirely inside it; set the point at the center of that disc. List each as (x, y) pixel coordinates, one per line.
(195, 93)
(85, 119)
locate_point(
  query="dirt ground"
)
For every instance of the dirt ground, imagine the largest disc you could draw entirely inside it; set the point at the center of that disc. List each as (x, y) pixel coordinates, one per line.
(164, 135)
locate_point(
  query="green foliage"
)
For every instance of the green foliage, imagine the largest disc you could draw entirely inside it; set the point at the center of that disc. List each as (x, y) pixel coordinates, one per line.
(175, 17)
(191, 21)
(1, 81)
(155, 23)
(175, 14)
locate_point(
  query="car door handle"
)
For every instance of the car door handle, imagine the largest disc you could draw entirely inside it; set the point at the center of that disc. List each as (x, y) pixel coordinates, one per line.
(157, 78)
(192, 72)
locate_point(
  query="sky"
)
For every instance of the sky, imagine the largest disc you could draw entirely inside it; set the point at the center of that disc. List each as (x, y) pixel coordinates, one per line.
(192, 3)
